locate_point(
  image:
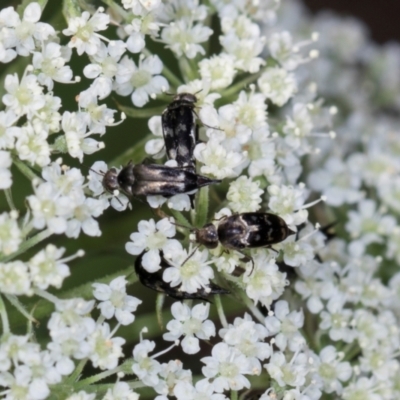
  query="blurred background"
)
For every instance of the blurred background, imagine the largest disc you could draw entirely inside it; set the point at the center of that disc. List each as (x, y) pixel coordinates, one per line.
(381, 17)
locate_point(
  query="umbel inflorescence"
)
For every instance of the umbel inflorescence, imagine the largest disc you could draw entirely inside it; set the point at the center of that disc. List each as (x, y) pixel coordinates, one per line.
(240, 153)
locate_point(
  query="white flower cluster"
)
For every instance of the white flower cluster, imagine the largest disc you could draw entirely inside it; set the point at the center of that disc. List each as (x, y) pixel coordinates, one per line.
(311, 316)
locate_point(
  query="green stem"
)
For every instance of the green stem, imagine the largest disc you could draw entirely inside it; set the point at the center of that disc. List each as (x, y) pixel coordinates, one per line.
(46, 295)
(202, 207)
(4, 317)
(171, 77)
(25, 170)
(98, 377)
(180, 219)
(135, 385)
(139, 112)
(220, 310)
(134, 154)
(350, 352)
(20, 307)
(186, 69)
(234, 395)
(117, 8)
(159, 306)
(9, 199)
(234, 89)
(77, 372)
(71, 9)
(250, 305)
(33, 241)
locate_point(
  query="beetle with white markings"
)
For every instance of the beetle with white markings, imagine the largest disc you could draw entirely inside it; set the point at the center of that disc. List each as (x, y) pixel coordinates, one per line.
(246, 230)
(180, 130)
(154, 179)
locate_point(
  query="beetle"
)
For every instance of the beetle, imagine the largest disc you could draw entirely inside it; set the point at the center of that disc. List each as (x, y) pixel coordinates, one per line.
(245, 230)
(155, 282)
(180, 130)
(242, 231)
(154, 179)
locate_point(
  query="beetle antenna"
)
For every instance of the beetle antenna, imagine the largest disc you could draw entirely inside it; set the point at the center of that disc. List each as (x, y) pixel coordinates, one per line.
(190, 255)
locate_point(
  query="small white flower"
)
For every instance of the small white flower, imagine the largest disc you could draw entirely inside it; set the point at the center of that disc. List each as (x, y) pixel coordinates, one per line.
(141, 7)
(105, 350)
(286, 325)
(338, 181)
(7, 130)
(244, 195)
(266, 283)
(15, 279)
(227, 366)
(219, 162)
(5, 173)
(245, 51)
(251, 110)
(190, 273)
(155, 147)
(10, 234)
(99, 116)
(50, 64)
(284, 51)
(65, 180)
(337, 320)
(189, 10)
(82, 395)
(286, 373)
(84, 209)
(287, 202)
(144, 367)
(296, 253)
(120, 391)
(261, 154)
(363, 388)
(76, 136)
(140, 81)
(48, 208)
(226, 261)
(33, 146)
(30, 30)
(25, 97)
(23, 386)
(183, 38)
(278, 85)
(192, 323)
(171, 373)
(6, 55)
(104, 67)
(137, 30)
(298, 126)
(115, 301)
(219, 69)
(153, 238)
(69, 328)
(203, 390)
(248, 337)
(368, 224)
(83, 31)
(48, 118)
(47, 269)
(332, 370)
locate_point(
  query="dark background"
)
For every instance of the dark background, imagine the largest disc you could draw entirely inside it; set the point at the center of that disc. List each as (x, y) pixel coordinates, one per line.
(381, 17)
